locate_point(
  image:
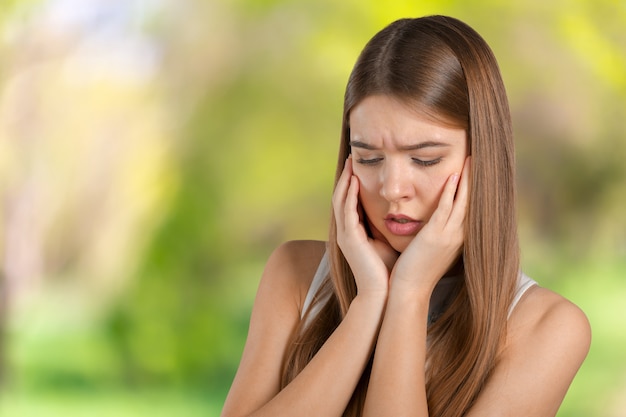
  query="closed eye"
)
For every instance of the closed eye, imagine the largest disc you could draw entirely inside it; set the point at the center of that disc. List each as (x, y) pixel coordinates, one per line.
(371, 161)
(426, 163)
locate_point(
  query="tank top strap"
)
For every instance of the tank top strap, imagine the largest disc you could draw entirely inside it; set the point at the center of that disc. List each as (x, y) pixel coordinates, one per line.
(524, 283)
(322, 272)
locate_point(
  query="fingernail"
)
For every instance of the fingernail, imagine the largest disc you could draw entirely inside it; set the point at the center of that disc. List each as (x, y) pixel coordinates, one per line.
(455, 177)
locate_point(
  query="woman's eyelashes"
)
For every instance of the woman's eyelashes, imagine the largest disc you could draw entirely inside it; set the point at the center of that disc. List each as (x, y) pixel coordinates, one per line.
(426, 162)
(418, 161)
(368, 161)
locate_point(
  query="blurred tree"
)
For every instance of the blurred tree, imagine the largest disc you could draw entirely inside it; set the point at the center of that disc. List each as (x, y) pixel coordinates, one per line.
(82, 157)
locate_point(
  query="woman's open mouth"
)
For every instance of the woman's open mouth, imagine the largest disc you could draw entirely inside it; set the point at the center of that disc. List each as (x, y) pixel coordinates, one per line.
(402, 225)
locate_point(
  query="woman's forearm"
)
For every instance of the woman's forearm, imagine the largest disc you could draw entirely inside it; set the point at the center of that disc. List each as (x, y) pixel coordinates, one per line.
(397, 383)
(325, 385)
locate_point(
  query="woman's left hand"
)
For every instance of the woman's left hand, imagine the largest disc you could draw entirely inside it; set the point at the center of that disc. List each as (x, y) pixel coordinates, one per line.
(439, 243)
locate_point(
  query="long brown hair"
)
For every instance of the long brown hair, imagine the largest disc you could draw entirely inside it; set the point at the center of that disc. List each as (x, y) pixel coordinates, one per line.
(446, 71)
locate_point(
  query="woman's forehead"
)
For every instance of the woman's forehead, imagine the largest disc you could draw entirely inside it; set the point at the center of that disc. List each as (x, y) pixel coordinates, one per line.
(407, 107)
(379, 120)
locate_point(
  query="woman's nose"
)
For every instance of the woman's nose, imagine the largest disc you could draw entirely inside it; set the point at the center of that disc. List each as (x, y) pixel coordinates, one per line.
(395, 183)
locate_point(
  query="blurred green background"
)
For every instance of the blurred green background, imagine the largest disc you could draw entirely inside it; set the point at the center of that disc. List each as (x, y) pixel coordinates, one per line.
(153, 153)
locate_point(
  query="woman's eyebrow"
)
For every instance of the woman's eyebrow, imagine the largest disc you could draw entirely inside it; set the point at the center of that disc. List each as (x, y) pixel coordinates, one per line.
(421, 145)
(363, 145)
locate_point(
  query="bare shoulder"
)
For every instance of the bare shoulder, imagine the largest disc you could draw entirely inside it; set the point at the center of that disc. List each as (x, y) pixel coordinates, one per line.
(546, 317)
(292, 265)
(276, 312)
(301, 255)
(547, 341)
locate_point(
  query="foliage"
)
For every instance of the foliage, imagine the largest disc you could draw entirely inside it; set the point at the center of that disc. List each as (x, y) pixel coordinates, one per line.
(152, 154)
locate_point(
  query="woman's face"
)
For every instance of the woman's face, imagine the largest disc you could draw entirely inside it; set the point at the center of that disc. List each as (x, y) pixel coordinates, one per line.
(402, 161)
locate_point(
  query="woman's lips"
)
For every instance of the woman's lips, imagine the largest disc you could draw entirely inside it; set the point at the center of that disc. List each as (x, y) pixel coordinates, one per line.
(402, 225)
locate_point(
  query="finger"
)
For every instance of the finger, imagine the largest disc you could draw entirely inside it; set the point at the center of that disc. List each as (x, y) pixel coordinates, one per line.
(343, 181)
(341, 190)
(444, 208)
(350, 209)
(459, 209)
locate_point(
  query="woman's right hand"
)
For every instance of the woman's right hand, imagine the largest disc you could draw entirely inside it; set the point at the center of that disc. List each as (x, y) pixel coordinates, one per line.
(370, 259)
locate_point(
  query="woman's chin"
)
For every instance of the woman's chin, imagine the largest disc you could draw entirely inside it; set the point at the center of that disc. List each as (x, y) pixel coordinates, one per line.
(398, 243)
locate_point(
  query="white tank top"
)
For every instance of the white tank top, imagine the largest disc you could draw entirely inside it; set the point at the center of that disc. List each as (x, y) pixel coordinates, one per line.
(438, 299)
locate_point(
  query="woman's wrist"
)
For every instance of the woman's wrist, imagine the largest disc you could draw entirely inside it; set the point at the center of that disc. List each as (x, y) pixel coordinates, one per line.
(419, 284)
(410, 295)
(373, 301)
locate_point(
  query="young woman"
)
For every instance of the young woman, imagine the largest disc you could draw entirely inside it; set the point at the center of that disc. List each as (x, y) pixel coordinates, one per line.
(416, 305)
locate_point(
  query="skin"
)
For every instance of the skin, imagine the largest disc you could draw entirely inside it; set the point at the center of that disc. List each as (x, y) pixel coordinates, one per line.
(547, 340)
(402, 163)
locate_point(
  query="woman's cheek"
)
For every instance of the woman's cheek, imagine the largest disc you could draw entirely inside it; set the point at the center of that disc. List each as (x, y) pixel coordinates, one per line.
(371, 210)
(366, 188)
(367, 200)
(437, 186)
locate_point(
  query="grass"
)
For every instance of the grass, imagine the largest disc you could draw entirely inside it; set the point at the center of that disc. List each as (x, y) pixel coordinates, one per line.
(110, 403)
